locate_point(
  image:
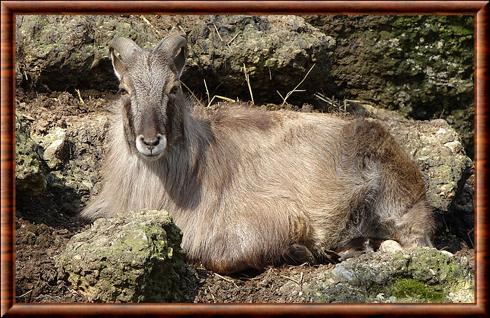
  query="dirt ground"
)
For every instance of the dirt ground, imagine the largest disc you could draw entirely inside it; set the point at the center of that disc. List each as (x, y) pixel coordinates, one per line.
(45, 223)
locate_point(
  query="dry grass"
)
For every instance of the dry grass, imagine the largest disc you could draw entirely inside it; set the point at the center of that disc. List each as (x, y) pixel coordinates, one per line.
(210, 100)
(82, 102)
(217, 32)
(150, 25)
(336, 105)
(192, 93)
(247, 79)
(333, 104)
(295, 89)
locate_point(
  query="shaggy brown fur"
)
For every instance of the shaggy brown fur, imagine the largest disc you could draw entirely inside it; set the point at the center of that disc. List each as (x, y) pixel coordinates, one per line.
(249, 187)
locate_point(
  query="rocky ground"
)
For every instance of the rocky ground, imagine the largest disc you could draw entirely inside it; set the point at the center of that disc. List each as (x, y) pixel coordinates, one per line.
(62, 118)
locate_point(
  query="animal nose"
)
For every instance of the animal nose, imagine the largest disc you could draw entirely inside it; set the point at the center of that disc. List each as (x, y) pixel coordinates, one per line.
(151, 142)
(152, 146)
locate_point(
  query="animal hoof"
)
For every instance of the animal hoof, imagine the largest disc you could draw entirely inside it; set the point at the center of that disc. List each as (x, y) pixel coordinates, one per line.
(297, 254)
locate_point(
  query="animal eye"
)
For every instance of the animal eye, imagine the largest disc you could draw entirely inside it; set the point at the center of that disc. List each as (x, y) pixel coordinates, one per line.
(122, 91)
(174, 90)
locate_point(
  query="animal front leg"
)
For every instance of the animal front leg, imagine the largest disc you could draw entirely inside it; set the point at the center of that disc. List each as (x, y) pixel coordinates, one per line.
(297, 254)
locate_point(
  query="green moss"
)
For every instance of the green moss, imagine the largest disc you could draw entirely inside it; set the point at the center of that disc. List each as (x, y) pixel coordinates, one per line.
(129, 258)
(430, 266)
(420, 65)
(420, 275)
(413, 290)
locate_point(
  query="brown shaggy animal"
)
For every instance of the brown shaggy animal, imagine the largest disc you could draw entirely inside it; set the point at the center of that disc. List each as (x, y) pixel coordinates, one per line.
(249, 187)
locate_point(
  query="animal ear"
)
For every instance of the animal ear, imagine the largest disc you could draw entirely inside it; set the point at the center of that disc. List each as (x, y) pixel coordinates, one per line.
(175, 49)
(122, 51)
(117, 64)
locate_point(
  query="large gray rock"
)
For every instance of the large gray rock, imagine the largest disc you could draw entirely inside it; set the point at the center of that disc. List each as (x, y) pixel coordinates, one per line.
(129, 258)
(419, 275)
(277, 51)
(61, 52)
(421, 65)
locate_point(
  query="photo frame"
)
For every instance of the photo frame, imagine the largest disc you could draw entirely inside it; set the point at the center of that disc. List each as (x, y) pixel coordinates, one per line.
(12, 8)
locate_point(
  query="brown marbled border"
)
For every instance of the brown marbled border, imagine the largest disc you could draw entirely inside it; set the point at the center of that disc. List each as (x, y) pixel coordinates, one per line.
(10, 8)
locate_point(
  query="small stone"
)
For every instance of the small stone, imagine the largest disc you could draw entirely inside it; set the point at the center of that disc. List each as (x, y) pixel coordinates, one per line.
(455, 146)
(440, 131)
(30, 171)
(390, 246)
(447, 253)
(56, 147)
(343, 274)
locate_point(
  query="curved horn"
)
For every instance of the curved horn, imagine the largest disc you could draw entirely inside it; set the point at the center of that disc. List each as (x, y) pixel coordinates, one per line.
(121, 51)
(124, 47)
(174, 48)
(171, 45)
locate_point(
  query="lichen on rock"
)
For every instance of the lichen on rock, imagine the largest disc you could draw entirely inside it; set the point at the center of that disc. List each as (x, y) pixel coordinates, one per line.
(417, 275)
(134, 257)
(277, 51)
(420, 65)
(74, 55)
(30, 170)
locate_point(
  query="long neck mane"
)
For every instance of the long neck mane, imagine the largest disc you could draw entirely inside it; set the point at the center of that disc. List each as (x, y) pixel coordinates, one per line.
(182, 168)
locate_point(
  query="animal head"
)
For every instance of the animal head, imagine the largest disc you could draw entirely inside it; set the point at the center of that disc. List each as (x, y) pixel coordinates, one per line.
(149, 84)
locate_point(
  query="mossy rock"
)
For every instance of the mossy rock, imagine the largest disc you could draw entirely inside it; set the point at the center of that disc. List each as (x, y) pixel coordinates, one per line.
(134, 257)
(30, 170)
(422, 66)
(74, 55)
(419, 275)
(277, 51)
(415, 290)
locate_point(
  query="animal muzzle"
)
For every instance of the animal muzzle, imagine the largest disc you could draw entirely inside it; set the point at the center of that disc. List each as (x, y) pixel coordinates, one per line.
(152, 147)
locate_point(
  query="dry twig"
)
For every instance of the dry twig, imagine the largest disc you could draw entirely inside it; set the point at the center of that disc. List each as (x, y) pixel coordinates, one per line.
(24, 294)
(233, 38)
(151, 25)
(291, 279)
(222, 98)
(207, 91)
(80, 97)
(338, 105)
(217, 32)
(247, 79)
(226, 279)
(295, 89)
(469, 237)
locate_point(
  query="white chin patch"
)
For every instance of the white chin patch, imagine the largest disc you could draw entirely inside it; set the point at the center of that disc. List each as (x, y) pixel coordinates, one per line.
(151, 151)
